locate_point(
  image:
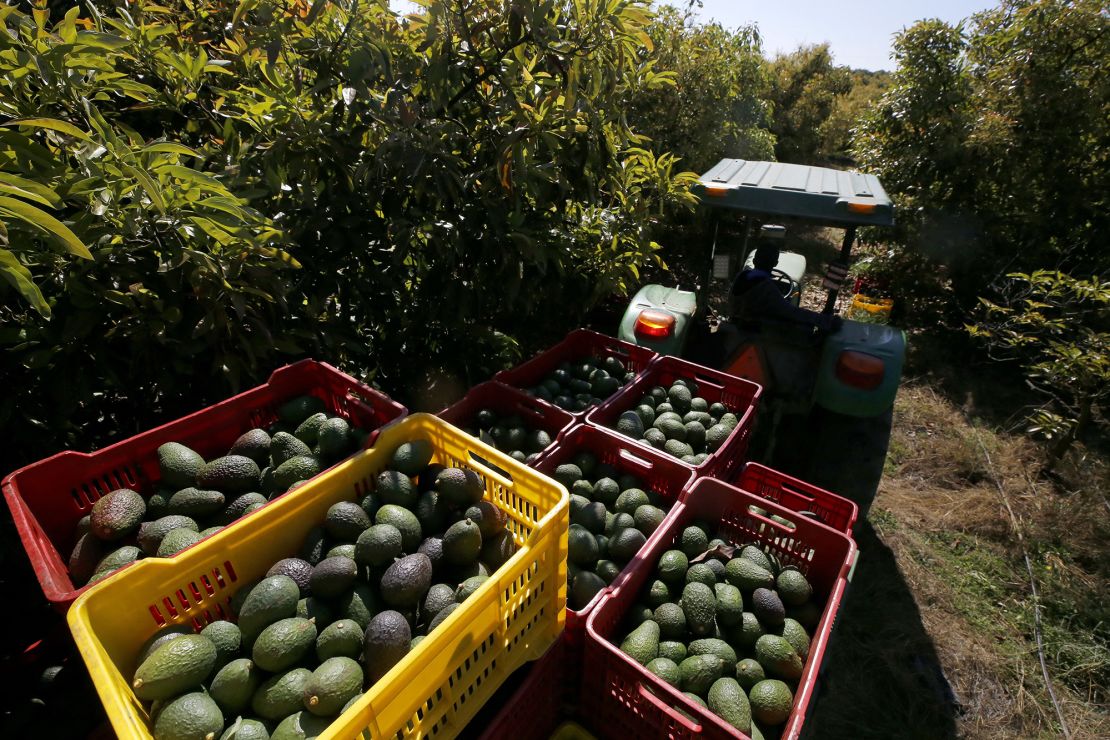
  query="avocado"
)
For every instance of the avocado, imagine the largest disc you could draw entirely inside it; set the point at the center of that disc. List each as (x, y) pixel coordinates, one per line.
(648, 518)
(115, 560)
(744, 635)
(694, 541)
(658, 593)
(698, 672)
(281, 695)
(246, 729)
(630, 424)
(226, 637)
(642, 644)
(346, 549)
(439, 618)
(467, 588)
(630, 500)
(343, 637)
(189, 717)
(497, 550)
(730, 604)
(179, 465)
(771, 702)
(302, 725)
(672, 567)
(177, 540)
(625, 543)
(405, 582)
(273, 598)
(378, 545)
(195, 503)
(386, 641)
(729, 702)
(241, 505)
(162, 636)
(308, 431)
(701, 573)
(796, 635)
(666, 669)
(748, 673)
(713, 646)
(332, 685)
(405, 522)
(412, 457)
(583, 589)
(757, 556)
(778, 658)
(284, 447)
(117, 514)
(233, 685)
(700, 606)
(254, 444)
(297, 569)
(673, 650)
(768, 608)
(462, 543)
(283, 644)
(335, 440)
(582, 548)
(175, 667)
(230, 474)
(489, 517)
(460, 487)
(672, 621)
(345, 521)
(296, 410)
(793, 588)
(301, 467)
(88, 551)
(332, 577)
(747, 575)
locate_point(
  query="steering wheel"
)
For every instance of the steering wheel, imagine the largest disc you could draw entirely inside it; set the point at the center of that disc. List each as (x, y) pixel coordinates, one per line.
(786, 284)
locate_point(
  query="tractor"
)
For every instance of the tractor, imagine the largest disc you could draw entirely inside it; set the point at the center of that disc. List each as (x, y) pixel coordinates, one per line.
(829, 385)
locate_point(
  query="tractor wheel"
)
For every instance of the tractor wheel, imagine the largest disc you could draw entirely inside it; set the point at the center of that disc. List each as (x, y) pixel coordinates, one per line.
(848, 454)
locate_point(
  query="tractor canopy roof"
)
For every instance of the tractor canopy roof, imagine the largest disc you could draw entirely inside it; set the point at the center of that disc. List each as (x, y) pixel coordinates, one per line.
(816, 194)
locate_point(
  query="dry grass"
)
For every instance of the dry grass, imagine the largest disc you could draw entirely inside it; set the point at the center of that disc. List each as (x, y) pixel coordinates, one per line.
(936, 635)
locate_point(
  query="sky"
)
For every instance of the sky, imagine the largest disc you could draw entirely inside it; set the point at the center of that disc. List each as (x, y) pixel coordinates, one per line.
(859, 32)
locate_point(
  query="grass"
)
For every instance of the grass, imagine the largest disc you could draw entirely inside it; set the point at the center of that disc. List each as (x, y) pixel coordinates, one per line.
(936, 636)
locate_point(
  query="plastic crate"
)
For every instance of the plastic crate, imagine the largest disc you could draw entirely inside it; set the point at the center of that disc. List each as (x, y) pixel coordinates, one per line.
(514, 617)
(505, 400)
(48, 498)
(625, 700)
(580, 343)
(535, 708)
(798, 496)
(739, 395)
(658, 471)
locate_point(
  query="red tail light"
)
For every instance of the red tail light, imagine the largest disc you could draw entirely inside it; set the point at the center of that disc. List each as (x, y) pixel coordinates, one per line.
(860, 370)
(654, 324)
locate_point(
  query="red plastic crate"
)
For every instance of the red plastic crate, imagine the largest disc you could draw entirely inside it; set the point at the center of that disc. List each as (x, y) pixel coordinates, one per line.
(535, 708)
(798, 496)
(580, 343)
(624, 699)
(658, 471)
(739, 395)
(505, 400)
(47, 498)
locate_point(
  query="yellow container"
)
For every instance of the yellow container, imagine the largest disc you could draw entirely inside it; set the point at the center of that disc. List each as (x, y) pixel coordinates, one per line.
(439, 686)
(868, 309)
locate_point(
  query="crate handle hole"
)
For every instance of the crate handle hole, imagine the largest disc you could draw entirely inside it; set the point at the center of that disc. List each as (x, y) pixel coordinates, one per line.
(764, 520)
(665, 707)
(629, 456)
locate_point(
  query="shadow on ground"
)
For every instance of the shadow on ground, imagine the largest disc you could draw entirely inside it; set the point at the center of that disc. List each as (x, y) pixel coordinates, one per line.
(882, 676)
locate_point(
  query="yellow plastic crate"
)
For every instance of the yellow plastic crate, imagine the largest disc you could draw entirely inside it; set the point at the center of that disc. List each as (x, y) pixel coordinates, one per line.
(439, 686)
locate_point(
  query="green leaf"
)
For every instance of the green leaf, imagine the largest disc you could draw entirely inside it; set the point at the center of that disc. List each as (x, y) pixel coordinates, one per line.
(52, 124)
(46, 222)
(20, 278)
(28, 189)
(148, 184)
(169, 147)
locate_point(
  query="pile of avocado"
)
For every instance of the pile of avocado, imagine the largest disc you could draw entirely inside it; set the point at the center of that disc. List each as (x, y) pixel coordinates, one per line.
(582, 383)
(368, 585)
(728, 626)
(195, 499)
(679, 422)
(510, 435)
(611, 517)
